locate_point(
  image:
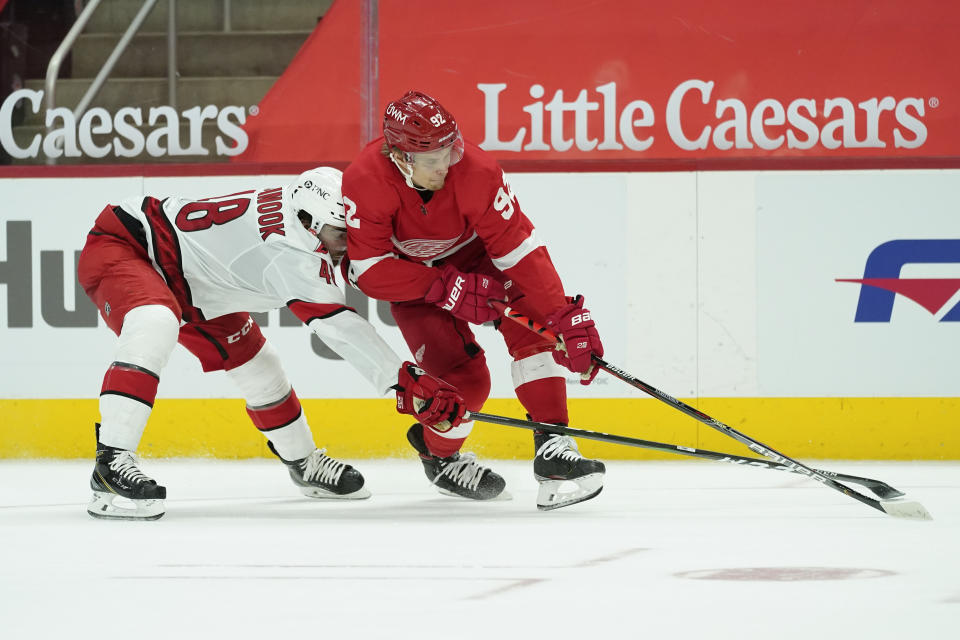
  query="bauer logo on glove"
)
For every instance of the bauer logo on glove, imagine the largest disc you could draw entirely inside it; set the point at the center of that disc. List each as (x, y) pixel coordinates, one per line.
(579, 340)
(454, 294)
(577, 319)
(465, 295)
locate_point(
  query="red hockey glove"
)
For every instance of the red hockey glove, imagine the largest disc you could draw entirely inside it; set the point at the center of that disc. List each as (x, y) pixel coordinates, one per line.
(573, 324)
(465, 295)
(431, 400)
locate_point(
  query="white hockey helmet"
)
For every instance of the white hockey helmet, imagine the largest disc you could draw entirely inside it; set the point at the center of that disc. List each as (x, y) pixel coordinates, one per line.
(316, 198)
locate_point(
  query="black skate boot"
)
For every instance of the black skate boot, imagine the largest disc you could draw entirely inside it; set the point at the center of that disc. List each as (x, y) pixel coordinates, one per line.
(117, 474)
(558, 462)
(320, 476)
(459, 475)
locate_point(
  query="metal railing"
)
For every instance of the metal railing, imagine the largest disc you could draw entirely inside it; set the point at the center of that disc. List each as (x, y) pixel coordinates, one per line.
(53, 68)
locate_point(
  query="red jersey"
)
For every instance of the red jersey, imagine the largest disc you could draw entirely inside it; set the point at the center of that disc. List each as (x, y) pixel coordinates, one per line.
(394, 237)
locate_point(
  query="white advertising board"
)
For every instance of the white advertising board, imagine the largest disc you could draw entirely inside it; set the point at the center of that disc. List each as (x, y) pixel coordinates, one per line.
(819, 337)
(718, 284)
(54, 345)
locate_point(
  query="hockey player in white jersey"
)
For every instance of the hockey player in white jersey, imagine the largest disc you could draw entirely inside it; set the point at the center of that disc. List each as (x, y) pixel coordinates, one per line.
(191, 271)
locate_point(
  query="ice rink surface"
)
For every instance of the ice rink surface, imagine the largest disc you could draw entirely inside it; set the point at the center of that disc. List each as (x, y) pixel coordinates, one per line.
(669, 550)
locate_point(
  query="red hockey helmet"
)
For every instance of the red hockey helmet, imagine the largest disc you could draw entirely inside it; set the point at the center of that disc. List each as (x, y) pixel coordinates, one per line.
(417, 123)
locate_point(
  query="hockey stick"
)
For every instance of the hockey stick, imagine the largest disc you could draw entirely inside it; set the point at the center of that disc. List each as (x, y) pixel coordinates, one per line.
(903, 509)
(881, 489)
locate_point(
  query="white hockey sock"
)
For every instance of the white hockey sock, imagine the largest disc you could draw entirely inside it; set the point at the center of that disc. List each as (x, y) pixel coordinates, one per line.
(293, 441)
(146, 340)
(273, 405)
(122, 421)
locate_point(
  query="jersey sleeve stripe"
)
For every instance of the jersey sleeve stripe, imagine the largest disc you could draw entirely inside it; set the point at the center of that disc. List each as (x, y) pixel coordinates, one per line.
(308, 311)
(525, 248)
(359, 267)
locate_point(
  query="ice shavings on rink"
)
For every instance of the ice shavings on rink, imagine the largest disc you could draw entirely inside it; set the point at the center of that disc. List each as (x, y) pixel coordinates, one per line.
(667, 550)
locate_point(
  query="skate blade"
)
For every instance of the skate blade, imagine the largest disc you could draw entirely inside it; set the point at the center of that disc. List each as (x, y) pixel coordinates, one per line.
(109, 506)
(500, 497)
(323, 494)
(555, 494)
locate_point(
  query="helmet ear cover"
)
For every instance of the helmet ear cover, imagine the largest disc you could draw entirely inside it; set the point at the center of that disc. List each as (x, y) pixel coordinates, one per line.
(305, 218)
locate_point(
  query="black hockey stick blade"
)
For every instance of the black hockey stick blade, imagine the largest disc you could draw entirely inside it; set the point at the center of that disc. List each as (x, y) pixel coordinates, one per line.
(879, 488)
(913, 510)
(906, 509)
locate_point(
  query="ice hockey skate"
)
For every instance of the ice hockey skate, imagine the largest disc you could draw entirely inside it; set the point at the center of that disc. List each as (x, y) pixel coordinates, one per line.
(459, 475)
(565, 476)
(121, 491)
(320, 476)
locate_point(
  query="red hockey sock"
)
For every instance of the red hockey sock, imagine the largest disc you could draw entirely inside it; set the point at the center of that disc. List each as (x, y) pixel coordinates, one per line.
(545, 399)
(126, 400)
(440, 446)
(131, 381)
(277, 415)
(285, 426)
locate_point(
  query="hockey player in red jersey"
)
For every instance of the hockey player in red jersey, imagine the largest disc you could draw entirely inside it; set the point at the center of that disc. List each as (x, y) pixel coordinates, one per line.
(190, 271)
(434, 227)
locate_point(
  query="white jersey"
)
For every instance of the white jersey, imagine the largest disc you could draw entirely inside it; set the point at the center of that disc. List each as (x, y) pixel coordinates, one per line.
(248, 252)
(242, 252)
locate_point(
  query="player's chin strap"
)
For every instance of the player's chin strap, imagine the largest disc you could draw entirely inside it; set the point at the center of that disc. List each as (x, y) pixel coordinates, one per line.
(406, 173)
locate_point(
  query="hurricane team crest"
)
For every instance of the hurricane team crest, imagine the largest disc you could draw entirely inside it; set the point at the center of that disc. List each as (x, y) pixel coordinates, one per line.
(881, 280)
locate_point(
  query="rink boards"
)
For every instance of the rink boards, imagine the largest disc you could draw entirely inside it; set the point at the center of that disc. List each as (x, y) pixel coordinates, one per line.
(811, 428)
(741, 293)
